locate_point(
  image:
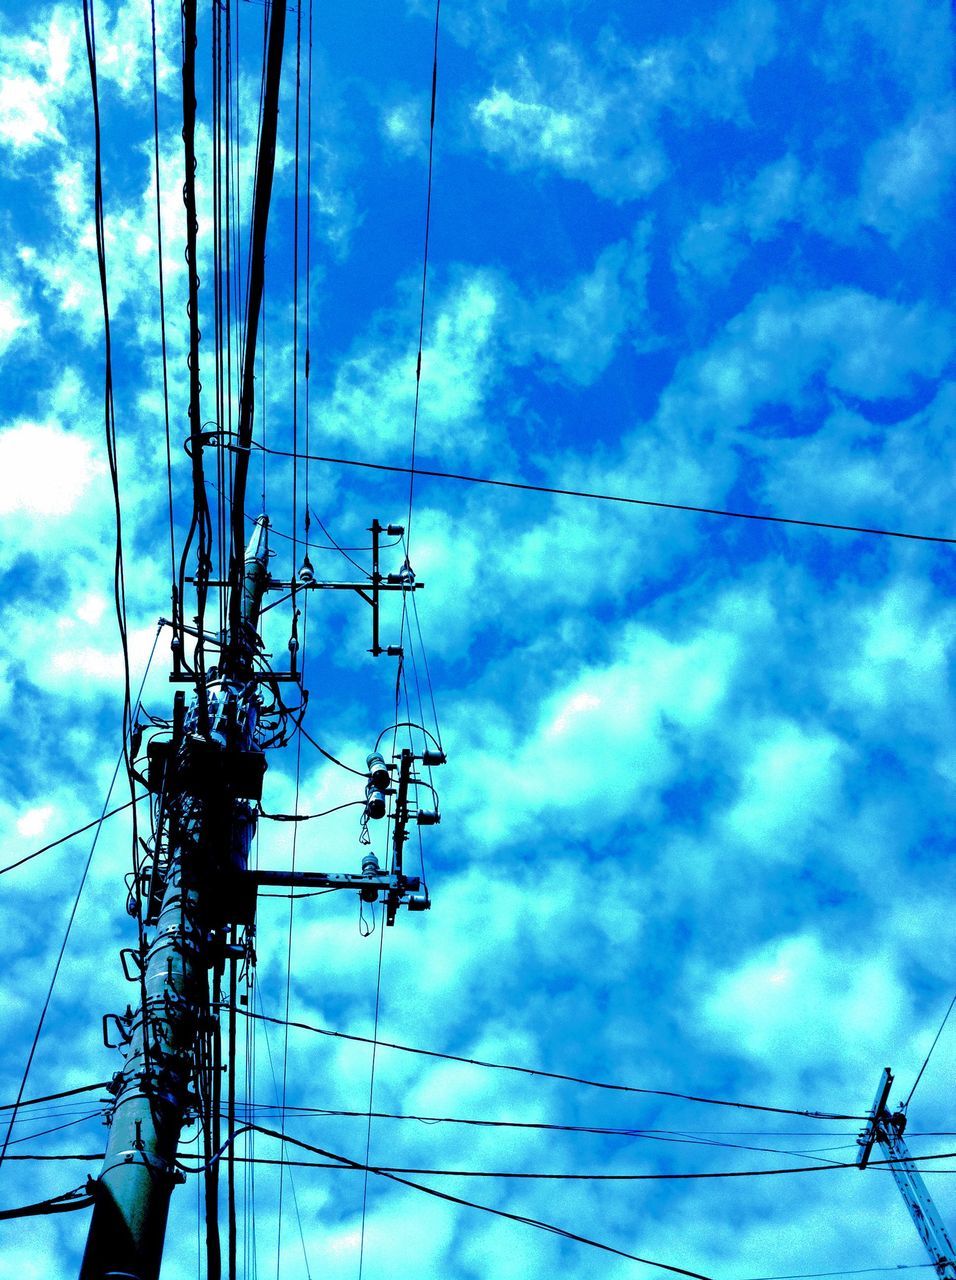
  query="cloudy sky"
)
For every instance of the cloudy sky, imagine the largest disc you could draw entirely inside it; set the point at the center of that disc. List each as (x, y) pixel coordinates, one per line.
(697, 815)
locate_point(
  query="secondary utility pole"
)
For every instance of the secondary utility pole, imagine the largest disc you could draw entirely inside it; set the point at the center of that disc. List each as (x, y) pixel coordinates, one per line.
(206, 823)
(886, 1128)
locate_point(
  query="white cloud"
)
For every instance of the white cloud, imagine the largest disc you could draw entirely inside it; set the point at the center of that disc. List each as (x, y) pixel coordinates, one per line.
(756, 211)
(794, 998)
(907, 174)
(867, 346)
(35, 821)
(579, 326)
(46, 469)
(15, 320)
(568, 121)
(608, 741)
(374, 391)
(36, 85)
(594, 115)
(789, 790)
(404, 127)
(863, 473)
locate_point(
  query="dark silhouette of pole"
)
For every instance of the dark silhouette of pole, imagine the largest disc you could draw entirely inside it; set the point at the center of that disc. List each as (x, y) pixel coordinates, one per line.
(203, 839)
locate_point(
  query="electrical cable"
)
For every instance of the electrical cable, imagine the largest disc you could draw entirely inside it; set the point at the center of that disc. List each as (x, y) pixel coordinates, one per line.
(56, 1128)
(78, 1198)
(855, 1271)
(500, 1213)
(421, 319)
(929, 1052)
(428, 678)
(371, 1086)
(555, 1075)
(328, 755)
(680, 1137)
(63, 839)
(307, 817)
(275, 1087)
(69, 925)
(51, 1097)
(162, 299)
(265, 168)
(634, 502)
(406, 724)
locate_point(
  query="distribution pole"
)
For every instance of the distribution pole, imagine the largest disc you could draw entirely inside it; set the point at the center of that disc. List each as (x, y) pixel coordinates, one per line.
(886, 1129)
(205, 827)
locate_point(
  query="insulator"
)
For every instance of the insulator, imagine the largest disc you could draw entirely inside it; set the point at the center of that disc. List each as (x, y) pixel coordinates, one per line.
(377, 771)
(406, 575)
(374, 803)
(306, 572)
(428, 817)
(370, 865)
(434, 758)
(395, 530)
(419, 902)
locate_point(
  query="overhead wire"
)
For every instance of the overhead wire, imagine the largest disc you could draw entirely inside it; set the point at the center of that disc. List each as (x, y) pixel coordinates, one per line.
(281, 1106)
(501, 1213)
(162, 302)
(52, 1097)
(929, 1052)
(421, 318)
(72, 916)
(594, 496)
(570, 1079)
(96, 822)
(371, 1087)
(78, 1198)
(853, 1271)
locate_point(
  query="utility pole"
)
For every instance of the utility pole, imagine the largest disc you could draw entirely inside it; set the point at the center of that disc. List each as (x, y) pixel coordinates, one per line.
(204, 830)
(886, 1129)
(194, 891)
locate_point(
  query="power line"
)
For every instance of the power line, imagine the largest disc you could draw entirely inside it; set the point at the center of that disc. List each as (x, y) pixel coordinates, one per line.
(344, 1164)
(555, 1075)
(51, 1097)
(471, 1204)
(307, 817)
(421, 318)
(63, 839)
(328, 754)
(521, 1175)
(856, 1271)
(689, 1137)
(79, 893)
(619, 498)
(930, 1052)
(371, 1086)
(78, 1198)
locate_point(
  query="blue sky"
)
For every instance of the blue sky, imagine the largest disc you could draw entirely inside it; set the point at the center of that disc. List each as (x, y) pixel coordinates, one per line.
(697, 815)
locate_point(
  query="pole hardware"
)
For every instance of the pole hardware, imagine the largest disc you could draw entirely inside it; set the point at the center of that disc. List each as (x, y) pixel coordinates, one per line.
(129, 955)
(122, 1022)
(404, 580)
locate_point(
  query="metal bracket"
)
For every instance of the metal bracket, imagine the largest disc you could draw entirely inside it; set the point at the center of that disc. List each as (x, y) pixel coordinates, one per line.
(138, 964)
(870, 1134)
(121, 1022)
